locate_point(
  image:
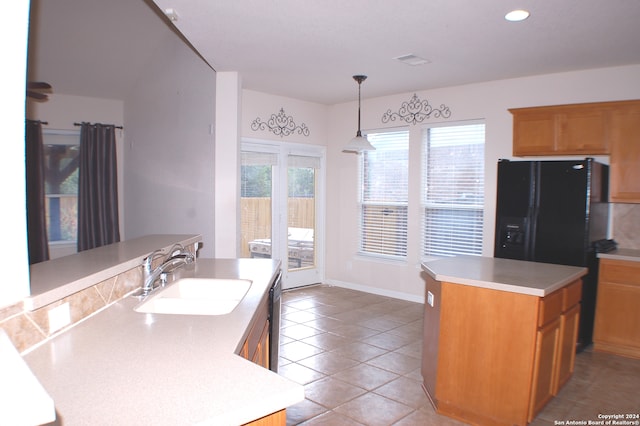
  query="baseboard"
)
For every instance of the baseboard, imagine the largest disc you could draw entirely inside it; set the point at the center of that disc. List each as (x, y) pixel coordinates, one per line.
(379, 291)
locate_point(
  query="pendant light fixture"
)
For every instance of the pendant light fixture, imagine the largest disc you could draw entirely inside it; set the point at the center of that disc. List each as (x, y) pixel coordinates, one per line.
(359, 143)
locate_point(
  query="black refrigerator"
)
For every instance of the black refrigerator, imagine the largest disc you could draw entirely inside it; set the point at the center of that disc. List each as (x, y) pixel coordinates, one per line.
(555, 212)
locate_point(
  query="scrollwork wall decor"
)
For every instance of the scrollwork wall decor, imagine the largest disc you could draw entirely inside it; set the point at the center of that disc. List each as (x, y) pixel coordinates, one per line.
(280, 124)
(415, 111)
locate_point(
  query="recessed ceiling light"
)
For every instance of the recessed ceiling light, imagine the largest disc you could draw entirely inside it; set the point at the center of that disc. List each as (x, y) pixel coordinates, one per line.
(517, 15)
(412, 60)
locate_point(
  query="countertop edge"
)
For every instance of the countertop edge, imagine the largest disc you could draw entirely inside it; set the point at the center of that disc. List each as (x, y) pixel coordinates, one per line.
(630, 255)
(430, 267)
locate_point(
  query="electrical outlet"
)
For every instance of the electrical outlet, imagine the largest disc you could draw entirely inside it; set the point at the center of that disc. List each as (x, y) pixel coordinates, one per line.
(430, 298)
(59, 317)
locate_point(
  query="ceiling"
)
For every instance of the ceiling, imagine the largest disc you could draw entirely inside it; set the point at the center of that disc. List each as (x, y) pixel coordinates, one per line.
(310, 49)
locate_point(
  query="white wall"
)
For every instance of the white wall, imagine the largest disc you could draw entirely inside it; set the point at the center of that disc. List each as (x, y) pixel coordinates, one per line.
(169, 150)
(227, 164)
(258, 105)
(489, 101)
(13, 44)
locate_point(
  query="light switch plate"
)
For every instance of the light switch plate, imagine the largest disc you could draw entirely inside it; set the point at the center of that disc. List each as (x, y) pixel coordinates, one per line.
(430, 298)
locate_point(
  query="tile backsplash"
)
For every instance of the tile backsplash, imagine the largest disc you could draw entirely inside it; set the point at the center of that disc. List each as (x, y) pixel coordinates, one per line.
(626, 225)
(28, 328)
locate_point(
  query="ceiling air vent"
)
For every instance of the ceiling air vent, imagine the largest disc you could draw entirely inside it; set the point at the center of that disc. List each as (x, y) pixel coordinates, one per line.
(412, 60)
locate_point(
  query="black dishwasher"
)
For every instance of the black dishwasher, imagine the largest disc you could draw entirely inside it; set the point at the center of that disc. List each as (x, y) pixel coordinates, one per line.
(274, 322)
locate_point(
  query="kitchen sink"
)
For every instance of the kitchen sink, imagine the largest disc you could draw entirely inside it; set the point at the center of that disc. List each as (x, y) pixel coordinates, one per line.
(196, 296)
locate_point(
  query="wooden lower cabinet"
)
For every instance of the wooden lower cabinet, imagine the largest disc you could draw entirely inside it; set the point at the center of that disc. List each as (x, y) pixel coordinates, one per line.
(256, 346)
(256, 349)
(279, 418)
(495, 357)
(617, 320)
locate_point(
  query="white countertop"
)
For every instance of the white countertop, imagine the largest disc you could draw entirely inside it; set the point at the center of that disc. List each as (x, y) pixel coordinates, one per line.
(632, 255)
(55, 279)
(124, 367)
(517, 276)
(23, 399)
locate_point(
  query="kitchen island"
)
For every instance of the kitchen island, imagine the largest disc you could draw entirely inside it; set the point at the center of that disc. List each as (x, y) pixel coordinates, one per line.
(124, 367)
(499, 336)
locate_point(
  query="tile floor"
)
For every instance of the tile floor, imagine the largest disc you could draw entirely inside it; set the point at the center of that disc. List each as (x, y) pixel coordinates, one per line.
(358, 357)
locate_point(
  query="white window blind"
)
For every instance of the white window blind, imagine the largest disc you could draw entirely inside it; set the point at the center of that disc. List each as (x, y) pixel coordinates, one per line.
(453, 189)
(384, 195)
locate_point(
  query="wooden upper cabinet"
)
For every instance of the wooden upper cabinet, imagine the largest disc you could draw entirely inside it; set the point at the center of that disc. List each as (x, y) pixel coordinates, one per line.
(534, 132)
(601, 128)
(624, 174)
(581, 129)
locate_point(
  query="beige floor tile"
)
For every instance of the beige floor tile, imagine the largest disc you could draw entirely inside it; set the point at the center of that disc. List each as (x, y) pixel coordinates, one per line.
(387, 341)
(299, 331)
(353, 331)
(302, 411)
(324, 323)
(365, 376)
(359, 354)
(328, 363)
(395, 362)
(299, 316)
(374, 410)
(330, 392)
(380, 324)
(296, 350)
(331, 418)
(406, 391)
(299, 373)
(327, 341)
(427, 416)
(359, 351)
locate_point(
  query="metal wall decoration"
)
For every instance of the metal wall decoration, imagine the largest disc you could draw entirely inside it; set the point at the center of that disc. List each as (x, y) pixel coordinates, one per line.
(280, 124)
(415, 111)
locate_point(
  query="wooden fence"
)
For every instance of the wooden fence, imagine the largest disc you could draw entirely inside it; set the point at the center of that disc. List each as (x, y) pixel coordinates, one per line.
(255, 216)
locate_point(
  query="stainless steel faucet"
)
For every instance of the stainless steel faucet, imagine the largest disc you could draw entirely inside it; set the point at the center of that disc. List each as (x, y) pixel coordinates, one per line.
(175, 257)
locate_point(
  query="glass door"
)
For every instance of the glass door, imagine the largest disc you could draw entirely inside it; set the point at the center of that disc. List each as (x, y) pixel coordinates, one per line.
(281, 195)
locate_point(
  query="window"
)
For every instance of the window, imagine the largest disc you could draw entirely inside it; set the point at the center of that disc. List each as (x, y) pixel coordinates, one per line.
(61, 150)
(384, 178)
(453, 189)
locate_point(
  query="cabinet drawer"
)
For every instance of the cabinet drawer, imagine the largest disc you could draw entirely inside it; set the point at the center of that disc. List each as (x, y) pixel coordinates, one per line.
(620, 271)
(550, 308)
(571, 295)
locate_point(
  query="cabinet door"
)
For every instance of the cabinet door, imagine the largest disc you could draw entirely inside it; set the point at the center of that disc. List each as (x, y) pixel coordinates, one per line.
(534, 132)
(261, 354)
(624, 179)
(569, 322)
(583, 130)
(543, 383)
(617, 323)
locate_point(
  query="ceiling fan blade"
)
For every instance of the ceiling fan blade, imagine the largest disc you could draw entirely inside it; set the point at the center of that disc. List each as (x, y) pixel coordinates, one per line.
(38, 85)
(36, 95)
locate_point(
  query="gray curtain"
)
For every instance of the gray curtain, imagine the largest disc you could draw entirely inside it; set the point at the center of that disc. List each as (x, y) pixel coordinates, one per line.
(97, 187)
(36, 212)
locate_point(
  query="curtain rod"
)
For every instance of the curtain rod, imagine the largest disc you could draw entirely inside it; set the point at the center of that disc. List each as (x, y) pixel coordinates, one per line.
(80, 124)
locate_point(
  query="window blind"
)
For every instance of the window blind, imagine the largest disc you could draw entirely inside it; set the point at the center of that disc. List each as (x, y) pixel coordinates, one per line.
(383, 195)
(453, 190)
